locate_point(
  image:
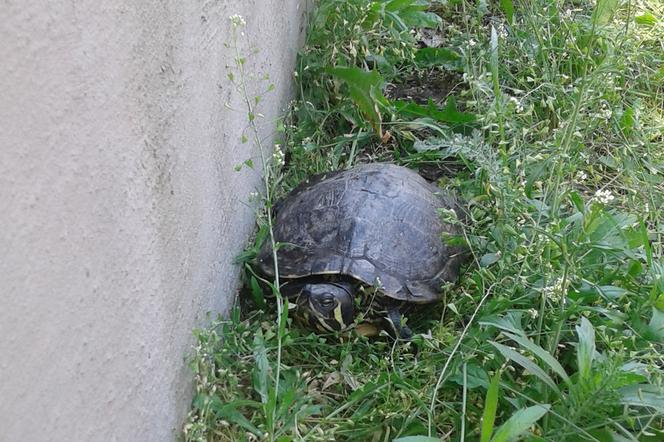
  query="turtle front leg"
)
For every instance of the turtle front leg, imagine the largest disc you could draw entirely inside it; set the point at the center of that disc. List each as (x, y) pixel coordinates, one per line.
(400, 330)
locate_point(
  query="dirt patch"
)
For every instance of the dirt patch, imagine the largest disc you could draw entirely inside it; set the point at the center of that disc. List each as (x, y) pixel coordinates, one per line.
(435, 85)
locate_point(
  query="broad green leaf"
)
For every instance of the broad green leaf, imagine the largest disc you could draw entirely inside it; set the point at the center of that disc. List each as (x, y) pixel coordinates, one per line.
(410, 14)
(544, 355)
(646, 19)
(508, 9)
(490, 407)
(261, 368)
(643, 395)
(534, 369)
(231, 412)
(604, 10)
(257, 293)
(429, 57)
(475, 377)
(577, 201)
(585, 352)
(611, 292)
(627, 121)
(397, 5)
(656, 324)
(366, 91)
(511, 322)
(448, 114)
(489, 258)
(417, 439)
(520, 422)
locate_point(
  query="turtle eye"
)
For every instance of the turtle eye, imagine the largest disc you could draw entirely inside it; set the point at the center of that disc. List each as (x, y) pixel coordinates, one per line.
(327, 302)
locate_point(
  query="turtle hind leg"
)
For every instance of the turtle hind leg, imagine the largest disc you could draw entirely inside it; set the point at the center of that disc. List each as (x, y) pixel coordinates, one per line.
(399, 330)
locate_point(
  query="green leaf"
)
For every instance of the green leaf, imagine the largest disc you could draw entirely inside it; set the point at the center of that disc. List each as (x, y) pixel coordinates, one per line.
(627, 121)
(526, 363)
(656, 324)
(643, 395)
(366, 91)
(577, 201)
(646, 19)
(611, 292)
(520, 422)
(510, 322)
(508, 8)
(544, 355)
(397, 5)
(489, 258)
(233, 414)
(604, 10)
(261, 367)
(493, 60)
(475, 377)
(257, 293)
(585, 352)
(447, 58)
(420, 19)
(417, 439)
(449, 114)
(490, 407)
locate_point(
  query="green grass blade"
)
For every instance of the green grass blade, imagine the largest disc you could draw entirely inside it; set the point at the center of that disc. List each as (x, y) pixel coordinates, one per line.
(585, 352)
(604, 11)
(490, 407)
(526, 363)
(544, 355)
(520, 422)
(508, 9)
(417, 439)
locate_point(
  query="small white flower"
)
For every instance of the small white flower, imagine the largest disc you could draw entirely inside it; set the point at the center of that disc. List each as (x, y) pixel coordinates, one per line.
(471, 42)
(517, 104)
(555, 291)
(603, 196)
(533, 313)
(581, 175)
(502, 31)
(278, 155)
(237, 20)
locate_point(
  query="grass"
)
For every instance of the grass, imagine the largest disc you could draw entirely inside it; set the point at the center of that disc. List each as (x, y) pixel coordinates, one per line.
(548, 118)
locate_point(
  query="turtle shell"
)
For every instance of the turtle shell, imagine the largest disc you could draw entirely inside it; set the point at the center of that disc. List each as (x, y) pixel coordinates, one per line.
(378, 223)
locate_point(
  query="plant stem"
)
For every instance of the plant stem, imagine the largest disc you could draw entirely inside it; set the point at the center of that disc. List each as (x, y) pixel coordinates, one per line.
(267, 172)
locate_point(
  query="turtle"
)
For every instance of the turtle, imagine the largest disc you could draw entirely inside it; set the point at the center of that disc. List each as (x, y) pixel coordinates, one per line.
(369, 237)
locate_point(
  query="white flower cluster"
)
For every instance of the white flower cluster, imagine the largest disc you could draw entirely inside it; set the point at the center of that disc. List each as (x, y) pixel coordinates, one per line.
(555, 291)
(581, 176)
(237, 20)
(278, 156)
(517, 104)
(603, 196)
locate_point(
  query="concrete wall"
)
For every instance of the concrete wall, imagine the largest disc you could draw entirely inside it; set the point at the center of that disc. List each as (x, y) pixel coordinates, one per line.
(120, 211)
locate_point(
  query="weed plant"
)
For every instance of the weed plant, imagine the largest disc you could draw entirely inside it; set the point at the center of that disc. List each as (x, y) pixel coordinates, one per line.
(552, 130)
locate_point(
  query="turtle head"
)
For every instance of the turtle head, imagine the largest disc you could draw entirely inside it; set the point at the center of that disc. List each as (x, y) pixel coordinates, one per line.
(327, 305)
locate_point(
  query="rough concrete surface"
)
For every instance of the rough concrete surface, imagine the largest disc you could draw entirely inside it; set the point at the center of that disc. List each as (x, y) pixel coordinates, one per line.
(120, 210)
